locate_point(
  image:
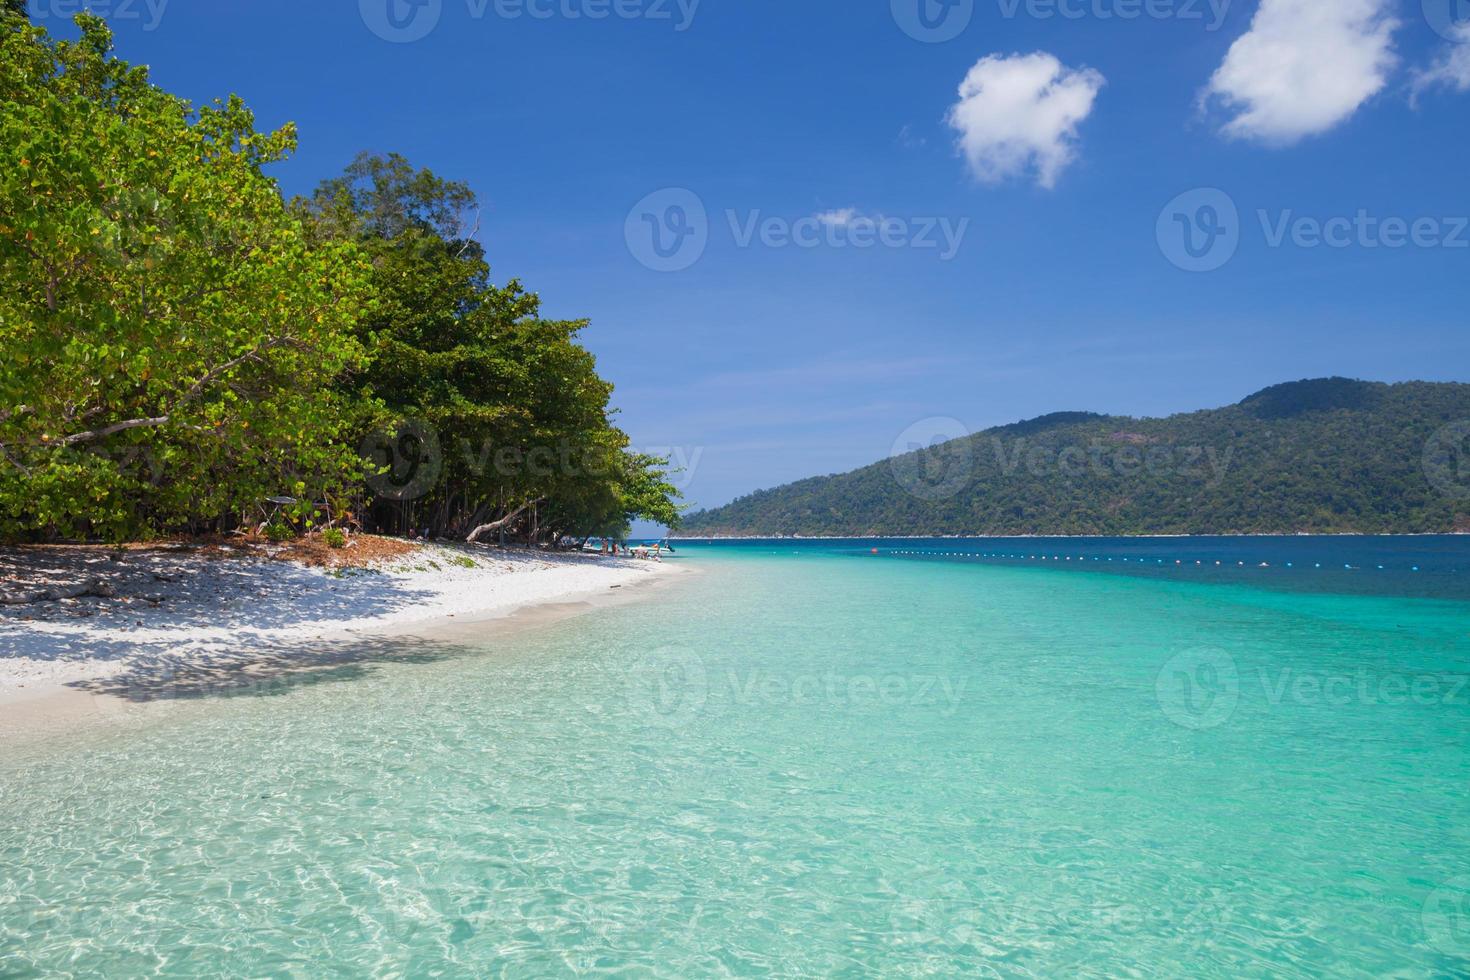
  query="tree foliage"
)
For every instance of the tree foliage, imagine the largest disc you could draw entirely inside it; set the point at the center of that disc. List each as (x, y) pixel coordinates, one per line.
(517, 414)
(170, 333)
(182, 344)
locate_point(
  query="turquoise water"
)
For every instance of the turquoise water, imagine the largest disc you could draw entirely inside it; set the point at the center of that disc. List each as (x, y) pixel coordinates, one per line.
(808, 760)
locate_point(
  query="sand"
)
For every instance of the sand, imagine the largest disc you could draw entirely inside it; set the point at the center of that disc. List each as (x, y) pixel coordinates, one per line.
(179, 619)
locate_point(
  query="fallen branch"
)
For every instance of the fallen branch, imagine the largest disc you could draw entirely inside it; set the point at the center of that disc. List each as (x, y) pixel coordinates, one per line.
(96, 587)
(497, 525)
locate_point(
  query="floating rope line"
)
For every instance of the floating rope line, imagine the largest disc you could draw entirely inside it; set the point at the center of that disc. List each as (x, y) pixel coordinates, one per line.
(1178, 562)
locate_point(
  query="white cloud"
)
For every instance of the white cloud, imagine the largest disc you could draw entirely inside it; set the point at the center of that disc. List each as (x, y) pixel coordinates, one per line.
(1452, 68)
(1019, 114)
(907, 139)
(1304, 66)
(840, 218)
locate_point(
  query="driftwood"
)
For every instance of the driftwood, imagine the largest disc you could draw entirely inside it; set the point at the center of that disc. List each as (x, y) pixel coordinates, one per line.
(96, 587)
(503, 522)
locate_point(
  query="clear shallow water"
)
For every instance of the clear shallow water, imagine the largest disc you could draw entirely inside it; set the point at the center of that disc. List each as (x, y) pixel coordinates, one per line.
(807, 760)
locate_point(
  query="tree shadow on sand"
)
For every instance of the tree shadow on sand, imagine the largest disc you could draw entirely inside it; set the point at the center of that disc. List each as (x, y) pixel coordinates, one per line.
(265, 671)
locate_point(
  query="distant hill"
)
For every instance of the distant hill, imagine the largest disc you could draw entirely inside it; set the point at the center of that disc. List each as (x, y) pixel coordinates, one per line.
(1324, 456)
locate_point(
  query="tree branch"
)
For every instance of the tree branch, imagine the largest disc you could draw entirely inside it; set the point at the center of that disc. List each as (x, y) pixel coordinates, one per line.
(194, 391)
(471, 236)
(13, 461)
(497, 525)
(114, 429)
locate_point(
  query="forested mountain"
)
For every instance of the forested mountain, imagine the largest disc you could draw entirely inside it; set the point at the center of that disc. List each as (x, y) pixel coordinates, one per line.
(1325, 456)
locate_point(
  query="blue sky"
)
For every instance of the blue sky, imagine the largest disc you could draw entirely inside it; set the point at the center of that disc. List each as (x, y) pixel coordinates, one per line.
(1085, 146)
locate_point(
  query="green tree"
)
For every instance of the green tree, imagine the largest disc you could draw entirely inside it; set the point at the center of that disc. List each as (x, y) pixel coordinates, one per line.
(647, 493)
(170, 332)
(518, 414)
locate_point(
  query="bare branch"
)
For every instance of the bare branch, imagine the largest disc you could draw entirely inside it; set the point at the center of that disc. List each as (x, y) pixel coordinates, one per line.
(114, 429)
(471, 236)
(507, 519)
(13, 461)
(194, 391)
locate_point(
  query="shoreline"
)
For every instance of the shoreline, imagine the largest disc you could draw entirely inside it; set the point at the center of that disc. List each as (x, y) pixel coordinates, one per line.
(1059, 537)
(64, 674)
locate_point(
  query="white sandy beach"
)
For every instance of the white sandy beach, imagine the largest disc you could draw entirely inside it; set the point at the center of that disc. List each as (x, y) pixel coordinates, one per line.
(175, 611)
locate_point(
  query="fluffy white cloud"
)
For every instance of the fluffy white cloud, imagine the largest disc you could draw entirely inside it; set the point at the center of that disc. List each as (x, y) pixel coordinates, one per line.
(1019, 114)
(1304, 66)
(840, 218)
(1452, 68)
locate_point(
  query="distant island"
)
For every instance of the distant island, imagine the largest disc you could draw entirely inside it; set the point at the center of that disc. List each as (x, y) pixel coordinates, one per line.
(1323, 456)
